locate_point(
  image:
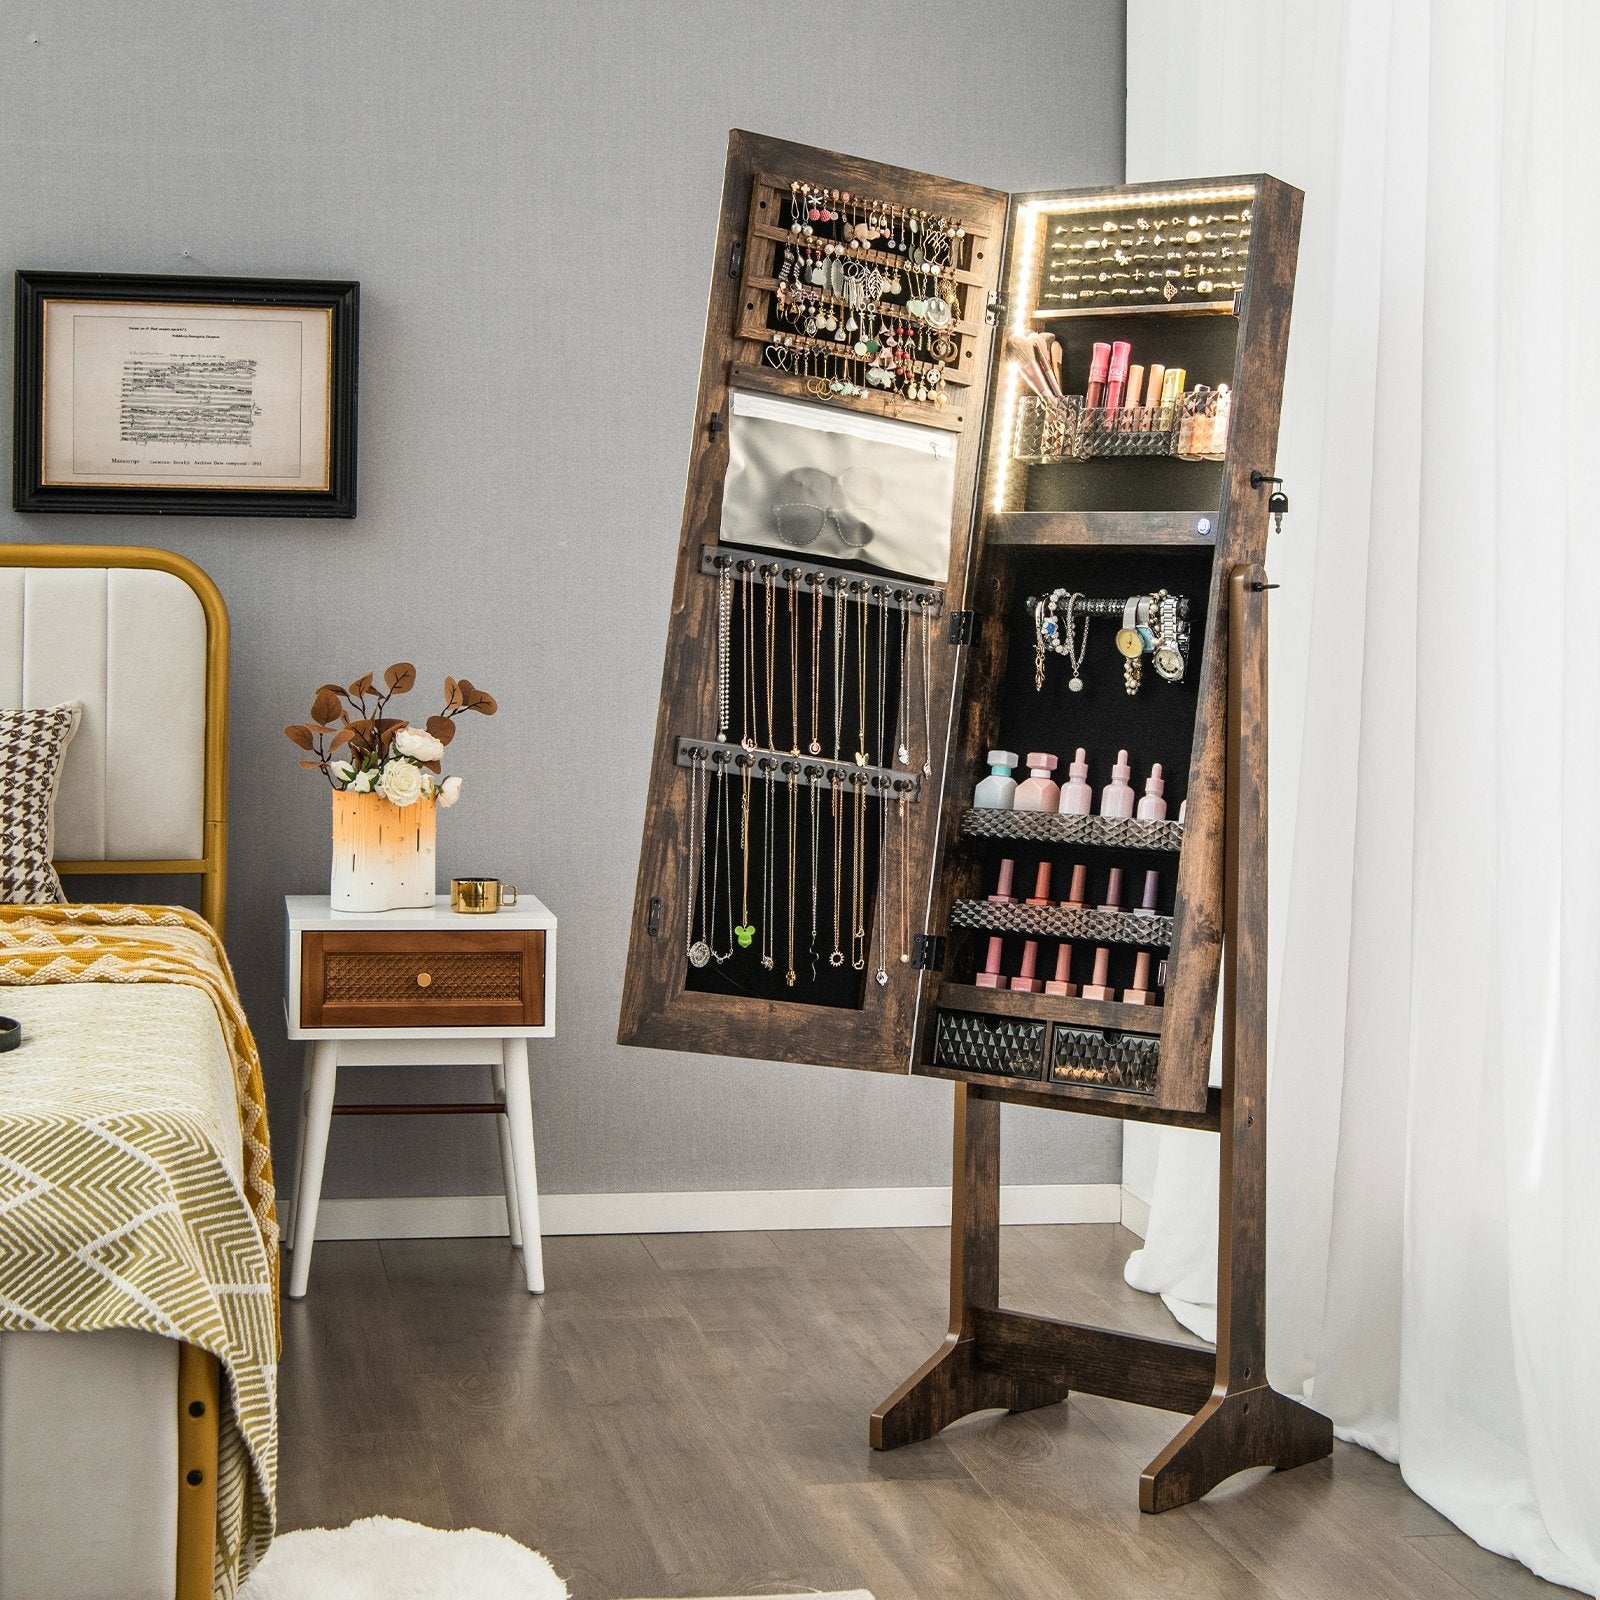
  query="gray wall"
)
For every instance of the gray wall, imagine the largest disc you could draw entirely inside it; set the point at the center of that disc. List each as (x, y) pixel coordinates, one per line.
(528, 371)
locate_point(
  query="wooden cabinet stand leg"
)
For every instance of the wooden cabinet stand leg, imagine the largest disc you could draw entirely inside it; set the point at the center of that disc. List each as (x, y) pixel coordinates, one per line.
(519, 1117)
(950, 1383)
(1245, 1423)
(322, 1069)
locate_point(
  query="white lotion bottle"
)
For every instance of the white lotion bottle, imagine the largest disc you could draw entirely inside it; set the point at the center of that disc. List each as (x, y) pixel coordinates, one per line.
(1116, 799)
(998, 792)
(1152, 804)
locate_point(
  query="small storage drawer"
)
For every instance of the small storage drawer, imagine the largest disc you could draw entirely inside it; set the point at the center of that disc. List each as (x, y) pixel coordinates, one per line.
(1104, 1059)
(1009, 1047)
(418, 979)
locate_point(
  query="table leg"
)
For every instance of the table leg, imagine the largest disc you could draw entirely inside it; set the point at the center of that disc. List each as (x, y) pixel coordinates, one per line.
(322, 1065)
(508, 1167)
(519, 1114)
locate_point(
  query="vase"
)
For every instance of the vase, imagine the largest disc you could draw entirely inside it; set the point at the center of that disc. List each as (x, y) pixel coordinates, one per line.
(382, 853)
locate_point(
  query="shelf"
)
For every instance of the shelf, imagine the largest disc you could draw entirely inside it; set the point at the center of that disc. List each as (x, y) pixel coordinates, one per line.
(1080, 1097)
(1070, 1012)
(1064, 922)
(745, 375)
(1203, 308)
(1049, 827)
(1101, 528)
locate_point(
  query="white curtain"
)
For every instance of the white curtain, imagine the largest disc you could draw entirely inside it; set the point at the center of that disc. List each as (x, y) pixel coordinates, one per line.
(1434, 1178)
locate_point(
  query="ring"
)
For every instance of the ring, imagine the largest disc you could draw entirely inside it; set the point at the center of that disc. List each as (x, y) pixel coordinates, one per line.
(10, 1034)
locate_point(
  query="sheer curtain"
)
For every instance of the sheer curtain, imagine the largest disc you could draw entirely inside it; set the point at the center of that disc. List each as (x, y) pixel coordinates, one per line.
(1434, 1181)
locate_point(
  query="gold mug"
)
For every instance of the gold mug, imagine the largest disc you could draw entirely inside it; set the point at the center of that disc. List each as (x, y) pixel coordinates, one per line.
(480, 896)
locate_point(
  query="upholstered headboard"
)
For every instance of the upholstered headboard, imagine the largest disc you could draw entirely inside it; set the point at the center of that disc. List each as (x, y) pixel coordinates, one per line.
(141, 638)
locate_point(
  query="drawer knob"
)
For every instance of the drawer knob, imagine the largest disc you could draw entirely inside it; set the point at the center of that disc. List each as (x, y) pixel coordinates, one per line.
(424, 979)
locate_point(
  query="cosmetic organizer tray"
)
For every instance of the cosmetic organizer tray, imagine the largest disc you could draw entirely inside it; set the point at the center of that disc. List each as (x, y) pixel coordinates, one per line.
(1050, 827)
(1063, 922)
(1052, 430)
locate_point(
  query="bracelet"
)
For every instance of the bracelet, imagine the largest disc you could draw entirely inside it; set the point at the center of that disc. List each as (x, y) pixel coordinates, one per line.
(10, 1034)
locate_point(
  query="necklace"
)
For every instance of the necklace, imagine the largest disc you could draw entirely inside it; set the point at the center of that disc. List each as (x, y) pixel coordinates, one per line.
(789, 974)
(858, 884)
(767, 887)
(881, 899)
(771, 653)
(747, 687)
(792, 577)
(836, 959)
(903, 751)
(883, 668)
(816, 669)
(724, 630)
(905, 881)
(861, 678)
(721, 867)
(816, 816)
(927, 686)
(1075, 648)
(699, 951)
(841, 626)
(745, 932)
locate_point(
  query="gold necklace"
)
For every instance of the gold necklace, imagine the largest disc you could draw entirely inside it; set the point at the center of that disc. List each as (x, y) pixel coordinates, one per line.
(772, 656)
(836, 959)
(816, 668)
(767, 887)
(789, 976)
(747, 686)
(881, 930)
(745, 932)
(861, 679)
(905, 880)
(792, 577)
(858, 884)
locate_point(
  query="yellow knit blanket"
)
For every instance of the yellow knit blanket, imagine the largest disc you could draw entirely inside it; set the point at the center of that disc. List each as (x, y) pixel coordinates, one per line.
(167, 1238)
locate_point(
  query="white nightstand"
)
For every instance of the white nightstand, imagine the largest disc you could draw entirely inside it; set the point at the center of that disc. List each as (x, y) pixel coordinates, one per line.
(407, 987)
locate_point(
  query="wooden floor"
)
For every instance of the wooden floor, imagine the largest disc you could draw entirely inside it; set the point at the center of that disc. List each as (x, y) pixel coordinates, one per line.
(687, 1415)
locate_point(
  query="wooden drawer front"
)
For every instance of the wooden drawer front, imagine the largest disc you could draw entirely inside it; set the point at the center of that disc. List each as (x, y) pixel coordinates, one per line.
(411, 980)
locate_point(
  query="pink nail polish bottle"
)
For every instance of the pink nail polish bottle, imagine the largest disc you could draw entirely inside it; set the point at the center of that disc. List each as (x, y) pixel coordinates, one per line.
(1077, 798)
(1041, 792)
(1152, 805)
(1078, 889)
(1062, 983)
(1041, 886)
(1025, 981)
(1098, 988)
(990, 977)
(1113, 900)
(1140, 994)
(1149, 906)
(1116, 799)
(1002, 895)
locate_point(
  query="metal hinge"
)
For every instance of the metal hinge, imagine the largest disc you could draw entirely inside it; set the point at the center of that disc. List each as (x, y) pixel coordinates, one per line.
(994, 308)
(927, 952)
(964, 626)
(735, 258)
(652, 924)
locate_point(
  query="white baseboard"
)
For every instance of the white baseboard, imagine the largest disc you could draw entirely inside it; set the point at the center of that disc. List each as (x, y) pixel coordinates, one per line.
(1135, 1213)
(725, 1211)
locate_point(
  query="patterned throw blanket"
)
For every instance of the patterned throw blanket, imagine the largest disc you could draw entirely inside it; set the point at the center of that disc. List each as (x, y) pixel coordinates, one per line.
(135, 1173)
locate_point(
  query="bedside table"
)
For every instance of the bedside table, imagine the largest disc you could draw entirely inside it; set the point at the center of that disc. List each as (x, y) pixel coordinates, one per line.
(393, 988)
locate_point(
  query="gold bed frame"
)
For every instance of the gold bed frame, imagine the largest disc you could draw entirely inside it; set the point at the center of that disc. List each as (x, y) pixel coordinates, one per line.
(199, 1374)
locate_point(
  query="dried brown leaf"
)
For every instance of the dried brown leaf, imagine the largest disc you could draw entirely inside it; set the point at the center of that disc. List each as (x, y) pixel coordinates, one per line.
(400, 677)
(310, 763)
(362, 686)
(341, 738)
(327, 704)
(442, 728)
(301, 737)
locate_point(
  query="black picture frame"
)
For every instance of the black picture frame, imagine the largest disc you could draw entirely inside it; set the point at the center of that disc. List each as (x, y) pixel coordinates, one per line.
(335, 495)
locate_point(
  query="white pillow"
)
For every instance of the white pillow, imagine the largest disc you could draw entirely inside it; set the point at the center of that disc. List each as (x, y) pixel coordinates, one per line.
(33, 745)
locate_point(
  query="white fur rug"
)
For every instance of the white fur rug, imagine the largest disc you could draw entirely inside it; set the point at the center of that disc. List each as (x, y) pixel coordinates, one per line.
(383, 1558)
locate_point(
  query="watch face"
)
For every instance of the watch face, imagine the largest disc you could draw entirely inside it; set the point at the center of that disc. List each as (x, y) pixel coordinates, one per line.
(1168, 662)
(1130, 642)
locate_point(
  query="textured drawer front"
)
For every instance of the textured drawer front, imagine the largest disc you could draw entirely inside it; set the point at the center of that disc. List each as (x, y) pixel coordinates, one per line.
(409, 980)
(1009, 1047)
(1105, 1060)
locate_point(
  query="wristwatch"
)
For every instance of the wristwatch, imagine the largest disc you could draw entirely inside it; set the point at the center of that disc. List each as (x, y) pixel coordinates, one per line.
(1167, 658)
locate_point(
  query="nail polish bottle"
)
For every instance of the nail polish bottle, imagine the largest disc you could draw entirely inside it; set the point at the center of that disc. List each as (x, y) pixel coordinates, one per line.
(1041, 886)
(1097, 988)
(1152, 805)
(1025, 982)
(1113, 900)
(1062, 983)
(1149, 906)
(1140, 994)
(999, 789)
(990, 977)
(1116, 799)
(1077, 798)
(1002, 895)
(1041, 791)
(1078, 891)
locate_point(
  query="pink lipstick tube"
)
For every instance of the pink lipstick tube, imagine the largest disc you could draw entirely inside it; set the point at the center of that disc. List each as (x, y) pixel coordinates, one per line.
(1094, 392)
(1120, 352)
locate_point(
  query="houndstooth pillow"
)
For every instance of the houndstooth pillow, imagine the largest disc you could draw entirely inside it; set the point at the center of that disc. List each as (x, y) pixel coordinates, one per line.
(32, 747)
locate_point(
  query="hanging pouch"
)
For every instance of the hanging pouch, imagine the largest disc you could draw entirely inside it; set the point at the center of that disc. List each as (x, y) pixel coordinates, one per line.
(839, 485)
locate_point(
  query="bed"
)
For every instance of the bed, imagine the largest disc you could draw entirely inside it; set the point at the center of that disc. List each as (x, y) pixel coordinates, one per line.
(138, 1293)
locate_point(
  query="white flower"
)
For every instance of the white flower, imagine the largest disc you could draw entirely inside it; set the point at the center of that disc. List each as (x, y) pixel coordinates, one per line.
(418, 744)
(400, 782)
(449, 791)
(361, 783)
(342, 772)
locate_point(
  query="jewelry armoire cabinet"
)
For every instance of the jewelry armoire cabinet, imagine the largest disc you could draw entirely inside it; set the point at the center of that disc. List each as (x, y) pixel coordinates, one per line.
(816, 883)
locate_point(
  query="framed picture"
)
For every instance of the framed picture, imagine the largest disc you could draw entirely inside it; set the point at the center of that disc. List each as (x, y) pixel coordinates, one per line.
(213, 396)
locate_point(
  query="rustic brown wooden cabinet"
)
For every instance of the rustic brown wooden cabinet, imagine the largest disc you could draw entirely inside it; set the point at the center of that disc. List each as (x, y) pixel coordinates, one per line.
(828, 703)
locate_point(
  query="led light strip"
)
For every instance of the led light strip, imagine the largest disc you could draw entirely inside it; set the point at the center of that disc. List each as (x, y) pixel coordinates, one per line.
(1145, 199)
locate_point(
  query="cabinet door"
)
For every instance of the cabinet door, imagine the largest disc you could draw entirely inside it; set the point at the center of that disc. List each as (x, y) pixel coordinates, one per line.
(812, 650)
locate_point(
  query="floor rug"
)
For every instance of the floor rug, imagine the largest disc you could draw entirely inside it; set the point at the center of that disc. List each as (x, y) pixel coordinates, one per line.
(383, 1558)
